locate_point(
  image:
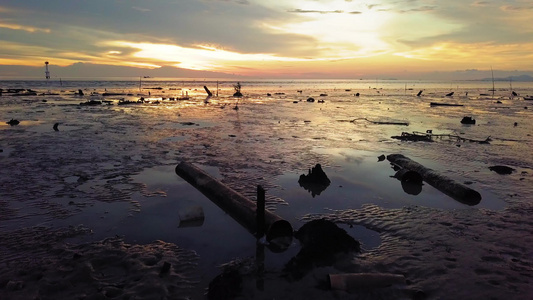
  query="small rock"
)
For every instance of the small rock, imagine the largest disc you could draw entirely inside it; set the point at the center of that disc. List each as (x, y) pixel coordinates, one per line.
(502, 170)
(381, 157)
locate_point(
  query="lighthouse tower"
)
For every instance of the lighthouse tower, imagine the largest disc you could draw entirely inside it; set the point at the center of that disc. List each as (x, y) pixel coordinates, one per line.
(46, 72)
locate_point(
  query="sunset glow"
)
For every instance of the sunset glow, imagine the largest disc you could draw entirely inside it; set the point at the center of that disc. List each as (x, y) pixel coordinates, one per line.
(280, 38)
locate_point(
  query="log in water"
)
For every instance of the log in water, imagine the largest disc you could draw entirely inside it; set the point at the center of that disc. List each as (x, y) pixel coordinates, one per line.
(444, 184)
(233, 203)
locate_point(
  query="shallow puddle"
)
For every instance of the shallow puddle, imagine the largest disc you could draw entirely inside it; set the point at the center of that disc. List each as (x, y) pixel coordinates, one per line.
(358, 178)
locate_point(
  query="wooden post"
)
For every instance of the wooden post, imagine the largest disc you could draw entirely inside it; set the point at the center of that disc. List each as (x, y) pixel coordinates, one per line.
(208, 91)
(260, 211)
(234, 204)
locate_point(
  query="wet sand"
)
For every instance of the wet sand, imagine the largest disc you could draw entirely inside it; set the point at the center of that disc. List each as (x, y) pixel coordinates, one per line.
(67, 194)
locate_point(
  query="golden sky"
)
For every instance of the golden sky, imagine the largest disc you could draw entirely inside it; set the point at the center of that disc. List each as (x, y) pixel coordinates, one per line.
(275, 38)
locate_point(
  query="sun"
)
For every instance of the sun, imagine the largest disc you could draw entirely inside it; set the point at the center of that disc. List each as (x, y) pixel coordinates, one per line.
(342, 29)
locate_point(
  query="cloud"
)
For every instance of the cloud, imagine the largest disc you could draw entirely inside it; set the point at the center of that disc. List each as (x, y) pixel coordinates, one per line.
(512, 8)
(141, 9)
(24, 28)
(480, 4)
(418, 9)
(303, 11)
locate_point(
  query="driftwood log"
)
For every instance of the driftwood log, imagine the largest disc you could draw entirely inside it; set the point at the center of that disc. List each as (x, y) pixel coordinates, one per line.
(233, 203)
(442, 183)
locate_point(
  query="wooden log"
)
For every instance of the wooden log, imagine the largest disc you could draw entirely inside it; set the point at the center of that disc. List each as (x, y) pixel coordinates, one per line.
(444, 104)
(444, 184)
(233, 203)
(353, 281)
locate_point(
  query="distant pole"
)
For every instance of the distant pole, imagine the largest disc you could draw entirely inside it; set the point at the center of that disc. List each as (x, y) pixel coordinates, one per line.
(217, 88)
(140, 80)
(492, 72)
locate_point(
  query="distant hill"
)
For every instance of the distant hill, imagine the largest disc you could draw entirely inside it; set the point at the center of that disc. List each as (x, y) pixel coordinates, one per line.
(520, 78)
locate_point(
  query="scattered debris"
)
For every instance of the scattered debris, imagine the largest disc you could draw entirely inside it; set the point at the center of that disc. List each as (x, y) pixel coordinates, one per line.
(310, 99)
(449, 94)
(91, 103)
(192, 216)
(414, 137)
(321, 241)
(55, 127)
(316, 180)
(428, 137)
(502, 170)
(411, 181)
(468, 120)
(419, 93)
(378, 122)
(13, 122)
(237, 88)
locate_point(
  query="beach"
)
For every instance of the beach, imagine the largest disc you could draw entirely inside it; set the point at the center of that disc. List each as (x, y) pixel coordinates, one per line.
(90, 207)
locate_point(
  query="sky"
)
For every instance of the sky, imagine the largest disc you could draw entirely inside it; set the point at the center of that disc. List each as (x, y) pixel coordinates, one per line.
(406, 39)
